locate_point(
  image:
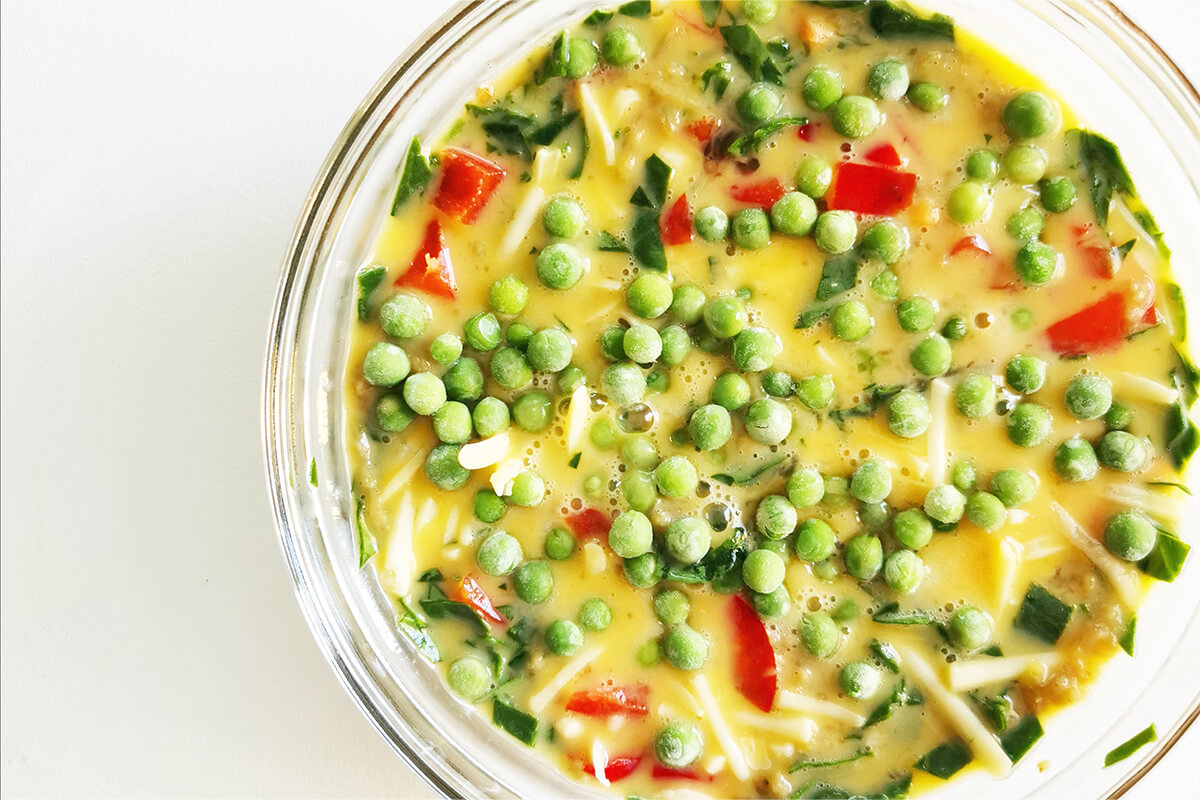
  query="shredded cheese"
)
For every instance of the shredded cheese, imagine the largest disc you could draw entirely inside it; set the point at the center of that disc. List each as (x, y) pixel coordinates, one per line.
(1164, 506)
(957, 712)
(820, 708)
(1121, 576)
(428, 512)
(398, 566)
(451, 526)
(403, 475)
(976, 672)
(1142, 388)
(485, 452)
(581, 402)
(799, 729)
(595, 561)
(1008, 554)
(597, 126)
(543, 696)
(502, 478)
(721, 732)
(939, 405)
(600, 761)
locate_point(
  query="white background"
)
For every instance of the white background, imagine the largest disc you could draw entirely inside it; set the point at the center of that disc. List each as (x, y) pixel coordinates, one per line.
(155, 155)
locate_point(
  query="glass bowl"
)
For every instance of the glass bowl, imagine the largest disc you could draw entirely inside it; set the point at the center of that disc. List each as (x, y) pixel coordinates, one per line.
(1117, 80)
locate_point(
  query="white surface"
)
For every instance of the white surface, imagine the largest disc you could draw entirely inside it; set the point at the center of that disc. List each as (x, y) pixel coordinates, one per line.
(155, 155)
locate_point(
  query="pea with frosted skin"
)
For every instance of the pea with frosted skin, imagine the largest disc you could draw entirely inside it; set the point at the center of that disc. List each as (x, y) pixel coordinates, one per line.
(794, 214)
(768, 421)
(725, 317)
(763, 571)
(969, 203)
(532, 411)
(1088, 396)
(760, 12)
(819, 634)
(929, 97)
(932, 356)
(975, 396)
(593, 486)
(482, 332)
(1025, 224)
(509, 295)
(452, 423)
(850, 321)
(621, 47)
(469, 677)
(1025, 374)
(755, 349)
(903, 571)
(856, 117)
(488, 506)
(559, 544)
(639, 490)
(404, 316)
(671, 606)
(815, 540)
(772, 605)
(676, 477)
(563, 637)
(1029, 424)
(649, 295)
(777, 383)
(612, 342)
(805, 487)
(886, 242)
(863, 556)
(499, 554)
(595, 614)
(517, 335)
(888, 80)
(759, 103)
(964, 476)
(533, 582)
(549, 350)
(835, 231)
(970, 629)
(446, 348)
(985, 511)
(648, 654)
(678, 744)
(944, 504)
(915, 314)
(424, 393)
(645, 570)
(631, 534)
(908, 414)
(1036, 263)
(712, 224)
(582, 57)
(642, 343)
(1118, 417)
(886, 285)
(871, 481)
(822, 88)
(392, 414)
(1057, 193)
(837, 492)
(731, 391)
(1014, 487)
(1030, 115)
(1075, 460)
(623, 383)
(912, 528)
(490, 417)
(1122, 451)
(983, 165)
(815, 391)
(710, 427)
(1025, 164)
(527, 489)
(687, 540)
(560, 266)
(676, 344)
(639, 452)
(1130, 535)
(385, 364)
(684, 648)
(687, 304)
(751, 229)
(955, 328)
(859, 680)
(775, 516)
(510, 369)
(814, 176)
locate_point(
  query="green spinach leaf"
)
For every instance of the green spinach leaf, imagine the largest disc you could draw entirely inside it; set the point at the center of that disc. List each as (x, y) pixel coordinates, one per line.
(945, 760)
(1126, 749)
(366, 540)
(752, 141)
(368, 279)
(891, 20)
(414, 177)
(521, 725)
(1042, 614)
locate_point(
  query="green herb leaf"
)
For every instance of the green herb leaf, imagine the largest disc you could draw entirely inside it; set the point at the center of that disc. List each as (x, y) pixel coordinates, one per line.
(749, 477)
(750, 51)
(752, 141)
(653, 191)
(635, 8)
(877, 396)
(818, 788)
(1126, 640)
(1170, 485)
(997, 709)
(519, 724)
(1125, 750)
(1123, 250)
(442, 608)
(891, 614)
(1042, 614)
(717, 77)
(312, 473)
(414, 177)
(898, 21)
(886, 654)
(574, 462)
(608, 243)
(1165, 561)
(833, 762)
(838, 275)
(1180, 433)
(1021, 737)
(431, 575)
(1186, 377)
(555, 64)
(646, 241)
(415, 629)
(368, 279)
(366, 539)
(584, 146)
(709, 11)
(1103, 169)
(722, 561)
(901, 696)
(597, 18)
(945, 760)
(507, 129)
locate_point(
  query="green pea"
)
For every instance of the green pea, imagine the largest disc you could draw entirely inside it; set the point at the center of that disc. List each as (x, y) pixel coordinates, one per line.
(835, 231)
(863, 556)
(955, 328)
(975, 396)
(1029, 424)
(932, 356)
(549, 350)
(1088, 396)
(886, 285)
(621, 47)
(679, 744)
(815, 540)
(482, 332)
(517, 335)
(631, 534)
(826, 571)
(759, 12)
(813, 176)
(859, 680)
(510, 369)
(1130, 535)
(964, 476)
(969, 203)
(528, 489)
(385, 364)
(888, 80)
(671, 606)
(751, 229)
(446, 348)
(1030, 115)
(676, 477)
(532, 411)
(1036, 263)
(612, 343)
(642, 344)
(725, 317)
(1075, 460)
(623, 383)
(775, 516)
(1025, 224)
(777, 383)
(490, 417)
(582, 57)
(912, 528)
(563, 637)
(1057, 193)
(755, 349)
(768, 421)
(970, 628)
(1025, 163)
(856, 117)
(392, 414)
(1025, 374)
(560, 266)
(489, 507)
(772, 605)
(684, 648)
(983, 165)
(871, 481)
(850, 321)
(805, 487)
(944, 504)
(404, 316)
(645, 570)
(649, 295)
(648, 654)
(819, 634)
(595, 614)
(759, 103)
(822, 88)
(452, 423)
(687, 540)
(639, 490)
(510, 294)
(687, 304)
(710, 427)
(464, 381)
(763, 571)
(874, 516)
(499, 554)
(424, 393)
(845, 611)
(816, 391)
(908, 414)
(533, 582)
(594, 486)
(712, 224)
(559, 544)
(639, 452)
(929, 97)
(676, 344)
(885, 241)
(1014, 487)
(1118, 417)
(985, 511)
(794, 214)
(1121, 451)
(469, 678)
(903, 571)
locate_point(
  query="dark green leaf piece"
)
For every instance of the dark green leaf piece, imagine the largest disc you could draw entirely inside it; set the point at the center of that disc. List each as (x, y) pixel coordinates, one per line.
(1103, 169)
(597, 18)
(804, 764)
(608, 243)
(1165, 561)
(1126, 640)
(645, 241)
(441, 608)
(886, 654)
(312, 473)
(752, 141)
(945, 760)
(1021, 737)
(414, 177)
(1042, 614)
(752, 53)
(891, 614)
(415, 629)
(709, 11)
(748, 477)
(366, 539)
(368, 280)
(898, 21)
(522, 726)
(635, 8)
(1125, 750)
(717, 77)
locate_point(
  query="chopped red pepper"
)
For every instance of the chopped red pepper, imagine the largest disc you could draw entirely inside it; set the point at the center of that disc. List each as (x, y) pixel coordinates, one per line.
(702, 129)
(470, 592)
(974, 244)
(754, 658)
(884, 154)
(1100, 326)
(676, 224)
(1151, 317)
(764, 193)
(870, 189)
(660, 772)
(1097, 252)
(617, 767)
(468, 182)
(606, 701)
(590, 523)
(808, 131)
(431, 270)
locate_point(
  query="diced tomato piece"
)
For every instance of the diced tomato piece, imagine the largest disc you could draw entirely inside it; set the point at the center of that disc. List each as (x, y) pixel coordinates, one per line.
(468, 182)
(973, 245)
(702, 129)
(618, 767)
(606, 701)
(764, 193)
(808, 131)
(754, 659)
(676, 224)
(660, 772)
(431, 270)
(470, 592)
(589, 523)
(1151, 317)
(884, 154)
(1100, 326)
(1095, 251)
(870, 189)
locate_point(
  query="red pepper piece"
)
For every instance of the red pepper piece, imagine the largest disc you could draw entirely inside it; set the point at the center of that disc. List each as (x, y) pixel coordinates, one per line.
(756, 678)
(974, 245)
(884, 154)
(870, 189)
(1151, 317)
(764, 193)
(606, 701)
(431, 270)
(660, 772)
(468, 182)
(676, 224)
(808, 131)
(617, 768)
(1100, 326)
(702, 129)
(590, 523)
(1095, 251)
(470, 592)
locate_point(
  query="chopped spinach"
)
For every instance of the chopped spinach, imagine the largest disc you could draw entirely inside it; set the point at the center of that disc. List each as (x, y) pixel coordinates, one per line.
(817, 788)
(891, 614)
(366, 539)
(886, 654)
(635, 8)
(555, 63)
(1179, 432)
(997, 709)
(645, 241)
(608, 243)
(437, 606)
(521, 725)
(752, 141)
(432, 575)
(753, 54)
(901, 696)
(514, 132)
(368, 279)
(709, 11)
(653, 191)
(1122, 250)
(312, 473)
(1022, 736)
(1170, 485)
(748, 477)
(832, 762)
(717, 77)
(838, 275)
(573, 463)
(945, 760)
(1042, 614)
(597, 18)
(1126, 749)
(722, 562)
(897, 21)
(414, 177)
(1165, 561)
(1103, 169)
(416, 630)
(1126, 640)
(876, 396)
